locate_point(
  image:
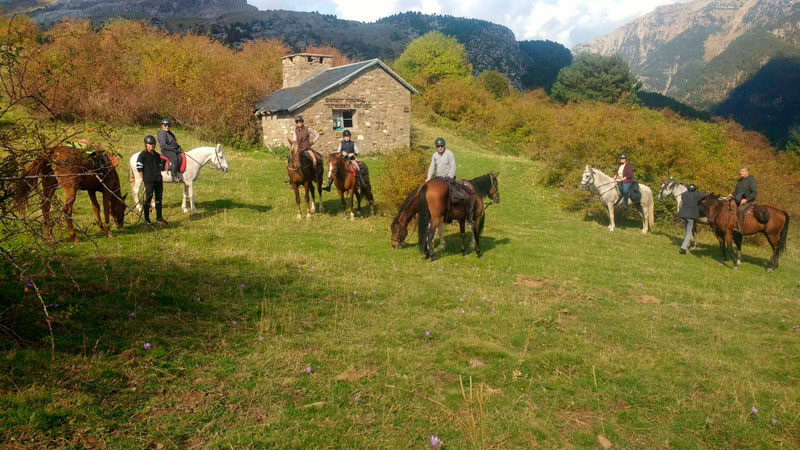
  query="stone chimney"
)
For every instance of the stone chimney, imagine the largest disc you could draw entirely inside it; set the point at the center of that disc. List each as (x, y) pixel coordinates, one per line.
(301, 66)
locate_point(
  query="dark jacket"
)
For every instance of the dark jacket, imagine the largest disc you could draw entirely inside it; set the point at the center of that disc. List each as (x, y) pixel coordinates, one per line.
(690, 205)
(745, 188)
(167, 141)
(627, 173)
(149, 164)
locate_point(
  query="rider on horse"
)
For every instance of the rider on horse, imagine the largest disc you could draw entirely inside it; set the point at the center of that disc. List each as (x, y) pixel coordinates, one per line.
(305, 137)
(744, 195)
(349, 151)
(443, 164)
(690, 213)
(624, 177)
(149, 166)
(170, 148)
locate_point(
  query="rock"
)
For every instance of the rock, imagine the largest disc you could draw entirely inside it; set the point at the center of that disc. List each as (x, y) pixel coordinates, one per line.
(602, 442)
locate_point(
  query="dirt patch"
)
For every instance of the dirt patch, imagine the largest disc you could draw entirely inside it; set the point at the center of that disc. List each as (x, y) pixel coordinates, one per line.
(351, 375)
(126, 355)
(476, 362)
(648, 300)
(530, 282)
(189, 401)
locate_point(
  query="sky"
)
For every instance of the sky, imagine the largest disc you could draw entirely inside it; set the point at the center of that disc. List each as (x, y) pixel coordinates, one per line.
(569, 22)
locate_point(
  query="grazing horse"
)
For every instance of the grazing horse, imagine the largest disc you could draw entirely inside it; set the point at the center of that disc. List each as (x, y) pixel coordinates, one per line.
(722, 218)
(434, 205)
(302, 171)
(348, 184)
(607, 190)
(675, 189)
(195, 160)
(71, 169)
(408, 210)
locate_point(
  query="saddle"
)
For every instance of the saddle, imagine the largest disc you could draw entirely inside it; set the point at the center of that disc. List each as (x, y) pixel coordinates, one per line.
(461, 193)
(362, 168)
(760, 213)
(167, 165)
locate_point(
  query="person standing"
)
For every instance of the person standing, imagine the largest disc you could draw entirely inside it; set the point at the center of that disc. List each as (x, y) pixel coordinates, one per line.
(443, 163)
(690, 213)
(744, 195)
(148, 164)
(624, 177)
(170, 148)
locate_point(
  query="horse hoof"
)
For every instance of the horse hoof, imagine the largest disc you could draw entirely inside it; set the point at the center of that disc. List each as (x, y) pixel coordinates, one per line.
(480, 255)
(299, 216)
(735, 267)
(352, 218)
(770, 270)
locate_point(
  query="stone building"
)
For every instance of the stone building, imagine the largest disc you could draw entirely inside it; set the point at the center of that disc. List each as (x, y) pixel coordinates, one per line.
(366, 97)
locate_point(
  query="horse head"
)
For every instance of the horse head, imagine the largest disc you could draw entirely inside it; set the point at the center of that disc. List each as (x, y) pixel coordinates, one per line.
(118, 208)
(665, 190)
(219, 159)
(587, 179)
(494, 191)
(399, 234)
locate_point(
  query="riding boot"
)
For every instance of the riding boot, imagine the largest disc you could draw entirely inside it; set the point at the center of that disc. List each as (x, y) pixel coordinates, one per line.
(147, 215)
(159, 217)
(739, 221)
(327, 187)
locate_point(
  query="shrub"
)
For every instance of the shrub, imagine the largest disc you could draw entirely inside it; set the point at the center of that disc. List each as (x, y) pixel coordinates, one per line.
(404, 171)
(431, 58)
(495, 83)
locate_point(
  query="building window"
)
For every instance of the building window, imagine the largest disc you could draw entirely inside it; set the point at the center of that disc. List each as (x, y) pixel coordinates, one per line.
(343, 119)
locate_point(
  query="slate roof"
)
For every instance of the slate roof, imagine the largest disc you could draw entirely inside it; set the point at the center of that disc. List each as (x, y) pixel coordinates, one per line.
(290, 99)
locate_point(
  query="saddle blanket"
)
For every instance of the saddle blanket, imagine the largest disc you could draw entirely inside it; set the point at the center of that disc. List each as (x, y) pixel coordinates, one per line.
(181, 169)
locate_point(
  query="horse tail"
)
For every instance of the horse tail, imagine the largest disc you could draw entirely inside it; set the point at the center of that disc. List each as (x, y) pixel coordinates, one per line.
(24, 186)
(481, 222)
(651, 214)
(784, 233)
(424, 220)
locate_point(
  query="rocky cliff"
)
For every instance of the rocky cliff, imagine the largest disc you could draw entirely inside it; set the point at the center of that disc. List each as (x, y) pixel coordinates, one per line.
(102, 10)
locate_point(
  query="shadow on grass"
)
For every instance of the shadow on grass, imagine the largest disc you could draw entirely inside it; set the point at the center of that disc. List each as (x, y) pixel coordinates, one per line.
(713, 251)
(221, 204)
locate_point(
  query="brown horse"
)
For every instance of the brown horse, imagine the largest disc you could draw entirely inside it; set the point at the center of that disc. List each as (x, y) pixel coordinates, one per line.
(434, 205)
(722, 219)
(348, 184)
(408, 210)
(71, 169)
(302, 171)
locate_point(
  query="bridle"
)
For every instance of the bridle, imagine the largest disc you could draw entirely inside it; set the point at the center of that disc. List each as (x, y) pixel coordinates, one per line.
(215, 160)
(590, 181)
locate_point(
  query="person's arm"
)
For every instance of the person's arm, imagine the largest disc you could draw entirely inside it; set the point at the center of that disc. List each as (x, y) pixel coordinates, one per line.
(431, 168)
(452, 164)
(753, 190)
(355, 148)
(627, 173)
(294, 135)
(161, 137)
(313, 134)
(339, 149)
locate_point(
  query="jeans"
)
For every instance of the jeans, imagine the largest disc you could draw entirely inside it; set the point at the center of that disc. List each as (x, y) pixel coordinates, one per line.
(156, 188)
(689, 224)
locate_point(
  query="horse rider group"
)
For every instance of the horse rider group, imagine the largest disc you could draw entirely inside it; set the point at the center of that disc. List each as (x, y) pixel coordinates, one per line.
(744, 195)
(149, 165)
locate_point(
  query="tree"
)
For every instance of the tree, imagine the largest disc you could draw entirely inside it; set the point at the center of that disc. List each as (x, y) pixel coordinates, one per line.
(595, 77)
(548, 58)
(431, 58)
(495, 83)
(793, 145)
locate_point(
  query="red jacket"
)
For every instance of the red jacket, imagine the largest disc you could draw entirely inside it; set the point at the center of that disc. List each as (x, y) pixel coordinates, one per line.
(627, 173)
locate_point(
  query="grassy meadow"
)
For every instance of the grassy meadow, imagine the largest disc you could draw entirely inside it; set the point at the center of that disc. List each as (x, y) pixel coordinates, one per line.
(271, 332)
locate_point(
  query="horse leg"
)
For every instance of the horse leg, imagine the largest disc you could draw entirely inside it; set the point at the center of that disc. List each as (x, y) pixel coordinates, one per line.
(476, 233)
(313, 197)
(137, 184)
(774, 242)
(308, 186)
(296, 188)
(611, 216)
(319, 189)
(49, 187)
(70, 194)
(694, 235)
(435, 223)
(721, 240)
(463, 237)
(643, 212)
(359, 194)
(350, 202)
(442, 243)
(96, 209)
(191, 197)
(185, 196)
(729, 241)
(342, 197)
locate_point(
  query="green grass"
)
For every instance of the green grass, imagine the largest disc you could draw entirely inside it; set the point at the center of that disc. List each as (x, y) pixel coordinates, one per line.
(566, 355)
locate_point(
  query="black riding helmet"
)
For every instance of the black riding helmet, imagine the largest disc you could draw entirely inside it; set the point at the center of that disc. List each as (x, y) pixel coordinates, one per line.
(299, 119)
(149, 140)
(622, 156)
(439, 142)
(346, 133)
(166, 122)
(692, 188)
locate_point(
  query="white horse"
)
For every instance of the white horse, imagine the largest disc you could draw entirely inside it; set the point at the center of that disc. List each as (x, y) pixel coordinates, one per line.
(195, 160)
(607, 189)
(676, 189)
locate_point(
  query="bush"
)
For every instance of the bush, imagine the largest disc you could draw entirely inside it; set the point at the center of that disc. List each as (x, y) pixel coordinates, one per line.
(404, 171)
(432, 58)
(495, 83)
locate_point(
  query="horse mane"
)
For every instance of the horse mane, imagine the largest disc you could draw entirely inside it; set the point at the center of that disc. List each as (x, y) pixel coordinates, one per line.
(482, 184)
(405, 203)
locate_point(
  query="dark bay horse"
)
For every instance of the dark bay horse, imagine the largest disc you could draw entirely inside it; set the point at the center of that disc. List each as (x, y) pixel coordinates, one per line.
(302, 171)
(722, 219)
(73, 170)
(408, 210)
(434, 205)
(348, 184)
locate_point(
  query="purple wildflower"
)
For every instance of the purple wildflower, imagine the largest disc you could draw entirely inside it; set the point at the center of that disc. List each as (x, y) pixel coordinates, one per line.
(435, 442)
(235, 323)
(462, 310)
(308, 370)
(774, 421)
(356, 399)
(146, 346)
(558, 293)
(241, 285)
(139, 307)
(152, 294)
(261, 339)
(427, 333)
(355, 292)
(29, 284)
(753, 411)
(674, 326)
(132, 315)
